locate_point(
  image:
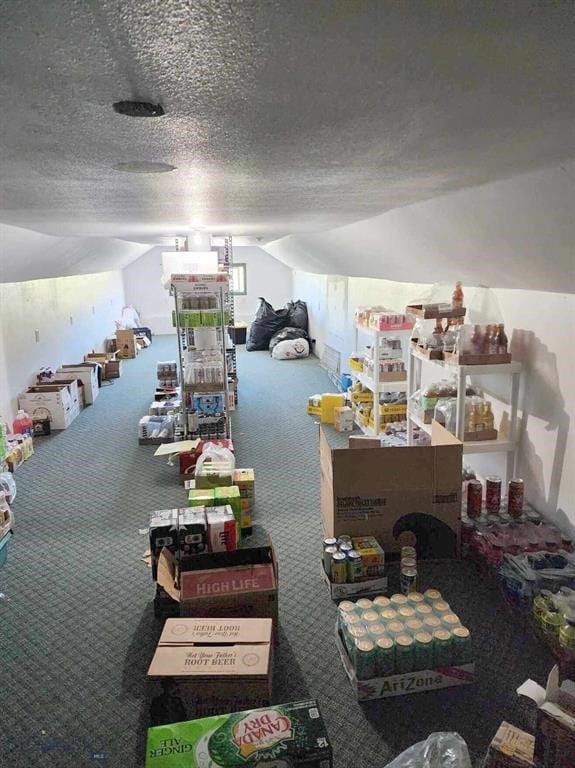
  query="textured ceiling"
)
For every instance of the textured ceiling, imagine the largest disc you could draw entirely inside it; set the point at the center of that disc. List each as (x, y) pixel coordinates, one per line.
(282, 116)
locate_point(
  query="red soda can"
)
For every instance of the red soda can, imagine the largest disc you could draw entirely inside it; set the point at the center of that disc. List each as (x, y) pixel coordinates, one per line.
(493, 494)
(474, 499)
(515, 498)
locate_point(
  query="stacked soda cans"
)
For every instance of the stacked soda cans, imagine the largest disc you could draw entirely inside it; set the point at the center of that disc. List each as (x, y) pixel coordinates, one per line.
(403, 633)
(408, 570)
(347, 560)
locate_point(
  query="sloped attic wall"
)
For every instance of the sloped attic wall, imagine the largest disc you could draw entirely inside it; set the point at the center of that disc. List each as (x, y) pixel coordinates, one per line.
(29, 255)
(518, 233)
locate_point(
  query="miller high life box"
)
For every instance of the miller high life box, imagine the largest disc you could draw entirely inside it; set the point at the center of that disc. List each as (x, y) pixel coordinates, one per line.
(244, 590)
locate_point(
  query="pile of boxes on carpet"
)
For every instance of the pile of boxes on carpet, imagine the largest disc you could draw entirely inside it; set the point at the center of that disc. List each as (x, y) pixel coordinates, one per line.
(216, 576)
(160, 424)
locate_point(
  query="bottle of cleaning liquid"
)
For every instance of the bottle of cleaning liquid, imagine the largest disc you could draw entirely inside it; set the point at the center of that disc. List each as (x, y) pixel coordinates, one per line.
(23, 424)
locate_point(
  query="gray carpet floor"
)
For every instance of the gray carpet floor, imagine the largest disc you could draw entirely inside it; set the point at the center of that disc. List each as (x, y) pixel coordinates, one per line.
(77, 629)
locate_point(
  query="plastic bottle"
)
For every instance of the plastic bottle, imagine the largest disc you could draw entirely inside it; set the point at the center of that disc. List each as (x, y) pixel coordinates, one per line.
(23, 424)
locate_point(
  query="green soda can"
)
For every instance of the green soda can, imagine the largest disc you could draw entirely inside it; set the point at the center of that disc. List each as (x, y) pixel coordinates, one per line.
(375, 630)
(441, 648)
(462, 651)
(354, 567)
(365, 658)
(432, 595)
(440, 607)
(567, 632)
(404, 652)
(414, 626)
(338, 572)
(385, 659)
(397, 601)
(344, 610)
(395, 628)
(387, 615)
(370, 617)
(350, 621)
(381, 602)
(431, 623)
(551, 623)
(423, 651)
(423, 610)
(541, 605)
(406, 612)
(415, 598)
(450, 621)
(364, 604)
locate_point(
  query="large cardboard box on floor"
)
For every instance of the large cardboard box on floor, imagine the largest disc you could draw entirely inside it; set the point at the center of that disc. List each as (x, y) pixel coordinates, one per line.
(87, 373)
(242, 590)
(218, 665)
(555, 728)
(53, 401)
(126, 344)
(400, 495)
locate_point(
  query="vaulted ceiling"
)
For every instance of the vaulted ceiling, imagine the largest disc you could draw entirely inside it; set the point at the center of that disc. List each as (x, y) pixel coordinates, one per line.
(282, 117)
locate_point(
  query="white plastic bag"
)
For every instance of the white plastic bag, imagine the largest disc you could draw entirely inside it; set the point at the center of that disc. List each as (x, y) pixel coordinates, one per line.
(439, 750)
(8, 486)
(216, 456)
(290, 349)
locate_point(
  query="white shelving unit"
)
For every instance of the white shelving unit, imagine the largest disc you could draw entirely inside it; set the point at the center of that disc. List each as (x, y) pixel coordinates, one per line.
(512, 370)
(217, 284)
(376, 387)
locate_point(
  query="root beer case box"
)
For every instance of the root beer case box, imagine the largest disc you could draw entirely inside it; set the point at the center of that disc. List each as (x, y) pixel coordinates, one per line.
(213, 665)
(282, 736)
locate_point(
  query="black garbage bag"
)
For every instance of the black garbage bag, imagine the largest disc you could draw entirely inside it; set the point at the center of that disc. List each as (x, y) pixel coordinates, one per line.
(298, 314)
(287, 333)
(266, 322)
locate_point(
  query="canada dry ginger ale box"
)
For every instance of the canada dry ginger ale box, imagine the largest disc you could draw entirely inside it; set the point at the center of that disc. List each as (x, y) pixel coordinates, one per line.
(286, 734)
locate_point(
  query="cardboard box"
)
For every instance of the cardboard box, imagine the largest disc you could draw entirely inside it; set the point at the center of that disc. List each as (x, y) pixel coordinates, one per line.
(126, 344)
(284, 735)
(406, 683)
(400, 495)
(245, 479)
(53, 401)
(218, 665)
(88, 373)
(329, 402)
(245, 590)
(254, 549)
(510, 748)
(555, 728)
(111, 368)
(368, 588)
(343, 419)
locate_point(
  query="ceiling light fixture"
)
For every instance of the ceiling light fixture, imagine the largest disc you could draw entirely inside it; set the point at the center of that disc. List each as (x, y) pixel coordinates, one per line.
(138, 109)
(143, 166)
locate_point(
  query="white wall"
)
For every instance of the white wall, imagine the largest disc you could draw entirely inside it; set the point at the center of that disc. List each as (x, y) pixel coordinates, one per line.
(94, 302)
(266, 276)
(541, 329)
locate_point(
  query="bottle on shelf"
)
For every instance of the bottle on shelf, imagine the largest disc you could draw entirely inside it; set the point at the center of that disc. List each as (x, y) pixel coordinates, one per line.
(23, 424)
(449, 337)
(502, 341)
(457, 297)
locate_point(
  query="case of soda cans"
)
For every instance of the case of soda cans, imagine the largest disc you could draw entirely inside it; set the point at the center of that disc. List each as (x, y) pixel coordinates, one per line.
(353, 567)
(403, 644)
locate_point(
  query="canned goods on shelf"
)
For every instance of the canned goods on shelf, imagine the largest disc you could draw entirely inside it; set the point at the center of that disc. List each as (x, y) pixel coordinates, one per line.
(461, 650)
(404, 652)
(365, 659)
(423, 651)
(441, 648)
(385, 656)
(493, 494)
(338, 571)
(431, 595)
(515, 498)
